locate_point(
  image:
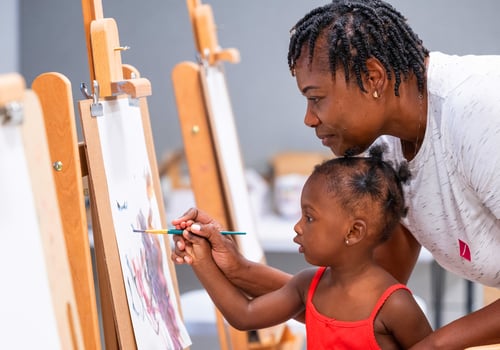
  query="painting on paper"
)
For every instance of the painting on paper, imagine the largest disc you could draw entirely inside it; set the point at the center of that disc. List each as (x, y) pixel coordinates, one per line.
(148, 282)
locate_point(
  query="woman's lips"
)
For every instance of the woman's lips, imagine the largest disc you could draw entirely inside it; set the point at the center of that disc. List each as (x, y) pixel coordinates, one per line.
(326, 140)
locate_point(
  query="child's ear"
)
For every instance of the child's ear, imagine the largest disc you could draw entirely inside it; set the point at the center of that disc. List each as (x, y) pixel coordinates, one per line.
(356, 232)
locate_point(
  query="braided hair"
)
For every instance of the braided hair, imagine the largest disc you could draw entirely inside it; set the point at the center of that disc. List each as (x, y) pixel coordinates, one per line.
(368, 183)
(355, 30)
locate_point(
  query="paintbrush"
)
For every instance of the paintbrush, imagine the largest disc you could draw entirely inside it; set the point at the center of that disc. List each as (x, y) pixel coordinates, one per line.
(179, 232)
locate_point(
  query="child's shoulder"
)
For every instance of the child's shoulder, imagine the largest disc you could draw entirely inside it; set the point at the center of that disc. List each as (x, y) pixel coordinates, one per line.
(304, 277)
(397, 295)
(308, 273)
(395, 302)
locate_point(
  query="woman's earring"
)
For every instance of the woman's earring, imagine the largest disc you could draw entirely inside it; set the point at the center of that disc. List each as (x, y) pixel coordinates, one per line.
(347, 242)
(375, 94)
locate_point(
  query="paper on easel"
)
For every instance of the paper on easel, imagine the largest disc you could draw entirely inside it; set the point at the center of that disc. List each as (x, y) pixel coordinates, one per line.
(148, 283)
(27, 314)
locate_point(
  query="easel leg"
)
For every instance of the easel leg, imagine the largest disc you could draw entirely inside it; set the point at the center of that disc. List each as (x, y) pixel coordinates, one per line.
(108, 322)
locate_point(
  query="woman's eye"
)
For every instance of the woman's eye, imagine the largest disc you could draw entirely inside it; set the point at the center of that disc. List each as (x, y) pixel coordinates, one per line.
(313, 99)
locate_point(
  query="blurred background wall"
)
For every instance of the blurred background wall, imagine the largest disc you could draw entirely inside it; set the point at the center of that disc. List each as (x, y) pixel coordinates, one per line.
(38, 36)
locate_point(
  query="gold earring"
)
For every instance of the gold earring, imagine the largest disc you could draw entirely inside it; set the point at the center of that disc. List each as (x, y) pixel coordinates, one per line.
(375, 94)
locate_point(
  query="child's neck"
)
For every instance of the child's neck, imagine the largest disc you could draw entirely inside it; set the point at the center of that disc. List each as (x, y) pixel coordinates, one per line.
(348, 275)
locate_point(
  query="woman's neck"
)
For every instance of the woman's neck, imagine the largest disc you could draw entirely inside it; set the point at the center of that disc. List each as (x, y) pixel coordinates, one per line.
(409, 117)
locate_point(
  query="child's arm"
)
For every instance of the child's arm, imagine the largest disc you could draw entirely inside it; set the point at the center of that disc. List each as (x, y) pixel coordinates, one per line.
(240, 311)
(404, 319)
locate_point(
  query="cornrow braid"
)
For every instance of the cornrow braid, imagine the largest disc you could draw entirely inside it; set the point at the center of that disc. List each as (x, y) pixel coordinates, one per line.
(356, 30)
(368, 182)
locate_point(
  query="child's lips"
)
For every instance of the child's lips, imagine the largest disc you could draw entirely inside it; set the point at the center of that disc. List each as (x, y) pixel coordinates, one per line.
(296, 240)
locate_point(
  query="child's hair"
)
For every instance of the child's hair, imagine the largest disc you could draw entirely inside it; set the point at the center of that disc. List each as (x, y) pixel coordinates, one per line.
(355, 30)
(368, 183)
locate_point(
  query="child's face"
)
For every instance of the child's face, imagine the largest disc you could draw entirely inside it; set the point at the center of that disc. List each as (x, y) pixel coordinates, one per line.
(323, 225)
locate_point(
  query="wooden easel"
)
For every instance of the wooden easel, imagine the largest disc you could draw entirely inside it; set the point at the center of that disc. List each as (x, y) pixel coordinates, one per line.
(54, 91)
(200, 93)
(112, 81)
(49, 314)
(117, 83)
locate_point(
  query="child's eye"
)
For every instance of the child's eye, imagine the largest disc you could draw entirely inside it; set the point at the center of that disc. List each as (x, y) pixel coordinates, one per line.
(309, 218)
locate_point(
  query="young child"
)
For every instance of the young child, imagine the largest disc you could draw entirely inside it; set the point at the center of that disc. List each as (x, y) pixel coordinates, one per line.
(349, 206)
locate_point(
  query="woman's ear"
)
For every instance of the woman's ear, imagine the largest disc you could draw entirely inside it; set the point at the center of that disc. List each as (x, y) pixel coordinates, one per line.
(356, 232)
(376, 81)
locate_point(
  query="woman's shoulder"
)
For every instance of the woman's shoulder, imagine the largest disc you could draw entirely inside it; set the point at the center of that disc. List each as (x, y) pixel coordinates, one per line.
(449, 73)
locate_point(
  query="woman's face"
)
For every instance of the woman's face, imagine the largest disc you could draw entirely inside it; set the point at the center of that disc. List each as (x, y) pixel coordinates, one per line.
(344, 117)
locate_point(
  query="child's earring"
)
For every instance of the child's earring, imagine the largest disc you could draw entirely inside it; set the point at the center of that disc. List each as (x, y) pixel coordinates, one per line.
(346, 241)
(375, 94)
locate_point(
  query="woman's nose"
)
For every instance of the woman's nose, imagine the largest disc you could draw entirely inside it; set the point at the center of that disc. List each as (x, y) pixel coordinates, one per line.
(310, 119)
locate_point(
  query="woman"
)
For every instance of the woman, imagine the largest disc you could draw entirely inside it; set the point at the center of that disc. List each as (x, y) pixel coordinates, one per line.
(368, 78)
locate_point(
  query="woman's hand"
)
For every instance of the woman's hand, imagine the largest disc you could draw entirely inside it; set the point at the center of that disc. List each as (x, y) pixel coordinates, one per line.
(254, 278)
(224, 250)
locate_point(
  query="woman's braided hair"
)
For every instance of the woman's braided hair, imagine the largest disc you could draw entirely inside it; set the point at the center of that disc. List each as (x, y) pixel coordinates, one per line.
(355, 30)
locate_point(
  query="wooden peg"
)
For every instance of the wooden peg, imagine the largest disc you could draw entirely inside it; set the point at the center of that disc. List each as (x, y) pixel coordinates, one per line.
(135, 88)
(228, 55)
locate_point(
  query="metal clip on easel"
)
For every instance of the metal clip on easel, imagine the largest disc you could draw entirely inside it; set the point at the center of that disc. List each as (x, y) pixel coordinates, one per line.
(96, 109)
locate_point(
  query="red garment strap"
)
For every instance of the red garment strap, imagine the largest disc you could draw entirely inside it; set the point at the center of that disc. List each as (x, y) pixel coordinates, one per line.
(314, 282)
(388, 292)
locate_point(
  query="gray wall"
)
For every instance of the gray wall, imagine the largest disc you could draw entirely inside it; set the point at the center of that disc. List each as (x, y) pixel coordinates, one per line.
(9, 36)
(267, 106)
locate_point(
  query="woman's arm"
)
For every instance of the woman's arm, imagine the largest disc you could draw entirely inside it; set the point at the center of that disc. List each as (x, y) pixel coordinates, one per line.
(481, 327)
(399, 254)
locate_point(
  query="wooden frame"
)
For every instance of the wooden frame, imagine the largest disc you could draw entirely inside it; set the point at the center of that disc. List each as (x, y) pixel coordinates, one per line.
(120, 86)
(115, 193)
(49, 315)
(54, 91)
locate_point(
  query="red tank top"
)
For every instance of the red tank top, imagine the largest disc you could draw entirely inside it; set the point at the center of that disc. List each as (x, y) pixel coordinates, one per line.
(327, 333)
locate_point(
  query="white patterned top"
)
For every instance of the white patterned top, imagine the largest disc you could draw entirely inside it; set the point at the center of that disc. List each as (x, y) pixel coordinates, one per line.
(454, 194)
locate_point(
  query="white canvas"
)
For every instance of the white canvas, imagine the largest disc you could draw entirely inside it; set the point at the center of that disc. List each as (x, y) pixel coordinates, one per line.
(27, 316)
(229, 154)
(149, 285)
